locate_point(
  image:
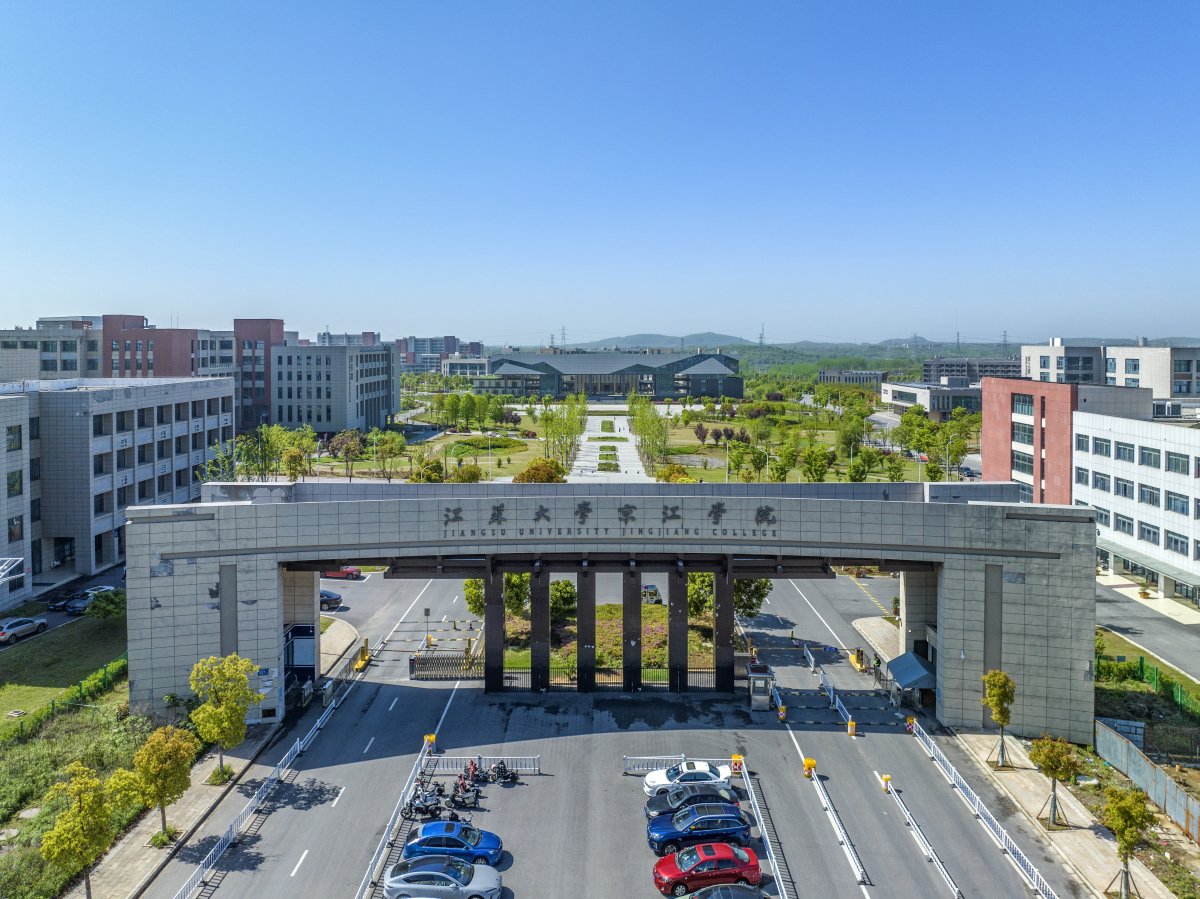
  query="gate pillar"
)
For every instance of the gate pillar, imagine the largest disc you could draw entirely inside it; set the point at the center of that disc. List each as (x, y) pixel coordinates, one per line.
(723, 632)
(631, 629)
(677, 630)
(585, 631)
(539, 631)
(493, 632)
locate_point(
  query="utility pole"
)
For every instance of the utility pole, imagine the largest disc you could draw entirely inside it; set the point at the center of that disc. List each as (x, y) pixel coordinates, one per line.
(761, 331)
(1005, 343)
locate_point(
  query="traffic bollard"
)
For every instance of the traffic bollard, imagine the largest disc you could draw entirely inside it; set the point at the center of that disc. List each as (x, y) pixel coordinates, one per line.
(810, 768)
(887, 782)
(850, 727)
(782, 714)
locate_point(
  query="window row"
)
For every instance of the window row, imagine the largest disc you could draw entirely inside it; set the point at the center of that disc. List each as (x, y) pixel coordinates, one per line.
(1179, 463)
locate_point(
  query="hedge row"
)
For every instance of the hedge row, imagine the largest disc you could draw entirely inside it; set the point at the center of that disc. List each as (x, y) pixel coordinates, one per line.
(94, 685)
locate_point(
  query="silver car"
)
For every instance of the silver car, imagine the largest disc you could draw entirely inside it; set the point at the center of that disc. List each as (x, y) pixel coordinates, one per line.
(441, 877)
(12, 629)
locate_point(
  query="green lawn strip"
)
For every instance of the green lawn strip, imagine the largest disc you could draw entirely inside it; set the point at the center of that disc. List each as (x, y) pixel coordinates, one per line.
(609, 619)
(327, 622)
(608, 438)
(40, 669)
(1116, 645)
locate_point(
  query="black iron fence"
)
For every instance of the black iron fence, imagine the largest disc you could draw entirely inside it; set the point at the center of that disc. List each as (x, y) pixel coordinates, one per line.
(445, 665)
(656, 680)
(517, 680)
(702, 680)
(610, 680)
(565, 679)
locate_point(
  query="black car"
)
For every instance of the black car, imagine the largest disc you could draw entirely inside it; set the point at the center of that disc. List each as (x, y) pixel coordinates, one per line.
(330, 600)
(59, 601)
(728, 891)
(689, 794)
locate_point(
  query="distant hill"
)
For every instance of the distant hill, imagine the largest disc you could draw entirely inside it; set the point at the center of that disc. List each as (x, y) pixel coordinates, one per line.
(662, 341)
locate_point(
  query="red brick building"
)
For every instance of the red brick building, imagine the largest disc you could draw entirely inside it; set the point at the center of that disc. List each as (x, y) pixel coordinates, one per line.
(1027, 436)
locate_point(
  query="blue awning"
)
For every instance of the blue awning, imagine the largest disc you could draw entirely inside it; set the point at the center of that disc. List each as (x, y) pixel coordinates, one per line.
(911, 672)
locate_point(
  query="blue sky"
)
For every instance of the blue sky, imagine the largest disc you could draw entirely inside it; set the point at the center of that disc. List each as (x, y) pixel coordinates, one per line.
(833, 170)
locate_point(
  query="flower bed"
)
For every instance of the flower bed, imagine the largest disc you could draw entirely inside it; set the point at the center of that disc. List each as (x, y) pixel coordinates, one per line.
(607, 426)
(608, 457)
(608, 466)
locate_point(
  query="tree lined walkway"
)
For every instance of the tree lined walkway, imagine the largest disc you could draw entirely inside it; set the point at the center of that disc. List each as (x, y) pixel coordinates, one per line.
(588, 460)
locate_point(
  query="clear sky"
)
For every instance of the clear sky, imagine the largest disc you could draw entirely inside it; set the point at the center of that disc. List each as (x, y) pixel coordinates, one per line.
(499, 170)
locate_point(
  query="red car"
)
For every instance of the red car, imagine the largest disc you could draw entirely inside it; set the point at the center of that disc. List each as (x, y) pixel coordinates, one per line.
(704, 865)
(348, 571)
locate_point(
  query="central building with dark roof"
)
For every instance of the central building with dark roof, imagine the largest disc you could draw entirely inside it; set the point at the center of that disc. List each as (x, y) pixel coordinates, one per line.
(656, 375)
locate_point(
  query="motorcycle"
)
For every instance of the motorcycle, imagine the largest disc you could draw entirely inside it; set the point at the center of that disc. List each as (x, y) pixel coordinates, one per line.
(420, 803)
(463, 796)
(472, 773)
(499, 773)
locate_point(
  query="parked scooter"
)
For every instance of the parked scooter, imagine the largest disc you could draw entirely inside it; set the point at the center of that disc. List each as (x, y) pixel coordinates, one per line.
(420, 803)
(463, 796)
(499, 773)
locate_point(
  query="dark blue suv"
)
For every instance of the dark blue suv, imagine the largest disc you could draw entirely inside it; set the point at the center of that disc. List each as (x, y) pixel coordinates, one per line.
(455, 839)
(698, 824)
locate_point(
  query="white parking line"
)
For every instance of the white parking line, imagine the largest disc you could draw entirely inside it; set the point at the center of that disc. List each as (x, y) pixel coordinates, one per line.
(298, 864)
(836, 638)
(369, 742)
(393, 705)
(446, 709)
(338, 796)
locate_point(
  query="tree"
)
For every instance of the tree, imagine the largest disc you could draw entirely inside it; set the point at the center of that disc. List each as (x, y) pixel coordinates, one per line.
(347, 446)
(850, 434)
(563, 599)
(856, 471)
(737, 457)
(1058, 761)
(1127, 816)
(223, 686)
(453, 407)
(109, 604)
(162, 770)
(999, 691)
(516, 593)
(294, 464)
(542, 471)
(473, 596)
(758, 461)
(466, 408)
(894, 466)
(304, 440)
(784, 462)
(815, 464)
(430, 471)
(467, 474)
(701, 432)
(84, 829)
(389, 449)
(748, 594)
(1099, 643)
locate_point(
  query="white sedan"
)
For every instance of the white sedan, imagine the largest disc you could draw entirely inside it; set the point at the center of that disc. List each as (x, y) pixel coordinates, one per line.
(685, 773)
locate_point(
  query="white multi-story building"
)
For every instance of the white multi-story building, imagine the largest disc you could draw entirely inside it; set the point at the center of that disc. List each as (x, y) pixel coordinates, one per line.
(79, 452)
(1143, 478)
(333, 388)
(1172, 373)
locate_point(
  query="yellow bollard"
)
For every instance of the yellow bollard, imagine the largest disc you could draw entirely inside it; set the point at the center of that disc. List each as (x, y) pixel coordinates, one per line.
(850, 727)
(810, 768)
(468, 645)
(782, 714)
(736, 766)
(431, 739)
(887, 781)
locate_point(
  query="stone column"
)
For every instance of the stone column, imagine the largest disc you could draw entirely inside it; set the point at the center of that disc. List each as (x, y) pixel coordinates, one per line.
(631, 629)
(493, 634)
(677, 631)
(723, 633)
(585, 631)
(539, 632)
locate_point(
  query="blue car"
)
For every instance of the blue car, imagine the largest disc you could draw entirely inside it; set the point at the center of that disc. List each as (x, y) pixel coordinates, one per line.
(453, 838)
(698, 824)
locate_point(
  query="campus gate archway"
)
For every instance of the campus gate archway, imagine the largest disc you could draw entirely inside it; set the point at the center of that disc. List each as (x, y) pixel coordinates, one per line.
(993, 584)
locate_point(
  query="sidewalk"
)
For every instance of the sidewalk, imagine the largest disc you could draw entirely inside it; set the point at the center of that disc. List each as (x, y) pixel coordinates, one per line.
(133, 863)
(1087, 847)
(1177, 611)
(880, 635)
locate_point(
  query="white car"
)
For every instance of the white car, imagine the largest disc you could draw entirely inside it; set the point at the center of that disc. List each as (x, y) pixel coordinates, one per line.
(441, 877)
(685, 773)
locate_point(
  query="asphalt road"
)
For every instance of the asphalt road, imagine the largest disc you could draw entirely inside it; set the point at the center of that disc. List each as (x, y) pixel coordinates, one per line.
(1171, 641)
(578, 828)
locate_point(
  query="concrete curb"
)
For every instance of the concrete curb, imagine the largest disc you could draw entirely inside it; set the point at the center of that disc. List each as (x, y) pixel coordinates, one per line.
(233, 781)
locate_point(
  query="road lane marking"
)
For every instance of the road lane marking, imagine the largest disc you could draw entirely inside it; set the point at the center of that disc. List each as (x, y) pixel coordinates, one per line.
(369, 742)
(393, 705)
(815, 612)
(443, 618)
(869, 596)
(409, 609)
(446, 709)
(335, 800)
(298, 864)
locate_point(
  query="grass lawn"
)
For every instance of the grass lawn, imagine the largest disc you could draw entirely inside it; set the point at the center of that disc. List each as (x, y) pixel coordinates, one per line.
(327, 622)
(1116, 645)
(39, 669)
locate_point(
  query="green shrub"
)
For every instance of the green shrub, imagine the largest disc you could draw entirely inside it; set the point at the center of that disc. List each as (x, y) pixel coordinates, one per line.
(469, 445)
(607, 426)
(608, 457)
(608, 466)
(608, 449)
(1117, 671)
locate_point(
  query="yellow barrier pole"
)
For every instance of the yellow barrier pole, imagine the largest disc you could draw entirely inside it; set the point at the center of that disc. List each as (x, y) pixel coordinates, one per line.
(850, 727)
(431, 739)
(736, 765)
(810, 768)
(782, 714)
(887, 782)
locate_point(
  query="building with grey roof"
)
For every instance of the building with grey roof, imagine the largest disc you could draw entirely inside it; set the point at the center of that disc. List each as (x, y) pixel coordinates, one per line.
(656, 375)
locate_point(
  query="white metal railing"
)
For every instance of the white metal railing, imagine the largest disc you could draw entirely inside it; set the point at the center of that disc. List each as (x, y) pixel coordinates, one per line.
(840, 830)
(369, 879)
(842, 710)
(762, 831)
(924, 843)
(1027, 867)
(812, 662)
(454, 764)
(642, 764)
(200, 875)
(828, 688)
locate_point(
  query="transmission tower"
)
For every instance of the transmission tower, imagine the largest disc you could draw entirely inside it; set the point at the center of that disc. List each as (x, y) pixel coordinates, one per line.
(762, 328)
(1005, 343)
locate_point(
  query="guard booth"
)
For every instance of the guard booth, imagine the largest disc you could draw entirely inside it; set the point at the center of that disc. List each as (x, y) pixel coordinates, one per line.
(761, 679)
(912, 678)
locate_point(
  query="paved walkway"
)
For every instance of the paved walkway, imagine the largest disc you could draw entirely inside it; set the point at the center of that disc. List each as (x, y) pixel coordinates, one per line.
(883, 636)
(1184, 614)
(131, 864)
(586, 462)
(1087, 847)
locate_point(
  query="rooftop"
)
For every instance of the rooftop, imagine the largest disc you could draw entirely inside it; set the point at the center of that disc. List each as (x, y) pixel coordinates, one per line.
(37, 386)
